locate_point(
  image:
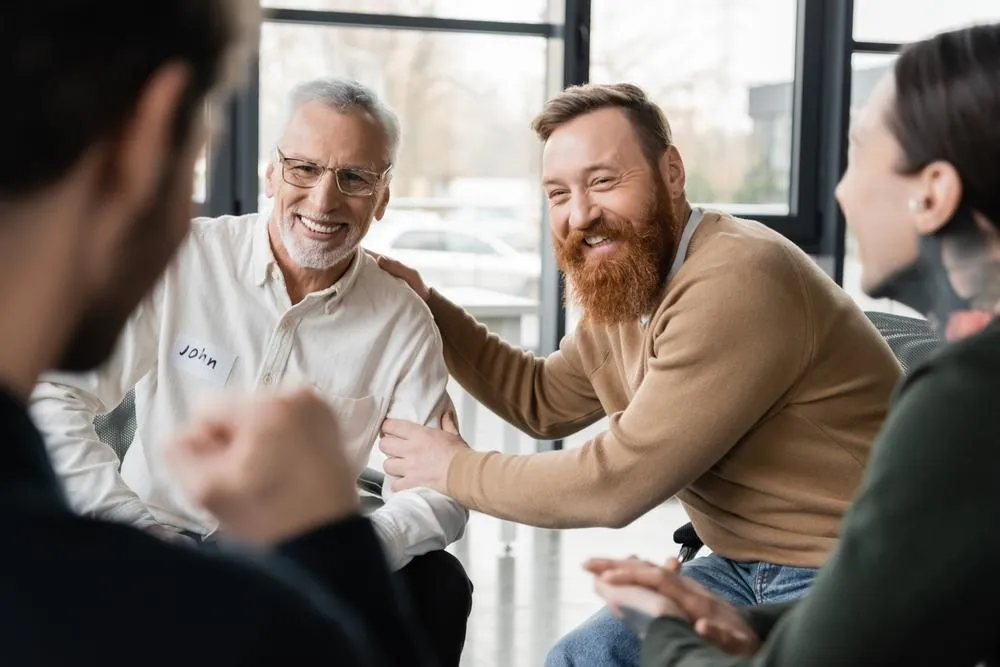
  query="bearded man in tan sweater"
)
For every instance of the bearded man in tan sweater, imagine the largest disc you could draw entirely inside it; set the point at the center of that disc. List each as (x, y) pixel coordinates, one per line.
(735, 374)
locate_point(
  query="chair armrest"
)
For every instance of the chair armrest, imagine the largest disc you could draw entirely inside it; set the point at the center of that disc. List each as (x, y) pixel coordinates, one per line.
(689, 542)
(370, 481)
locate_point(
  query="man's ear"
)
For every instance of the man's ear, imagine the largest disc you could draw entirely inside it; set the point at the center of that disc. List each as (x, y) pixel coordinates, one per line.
(672, 172)
(380, 209)
(145, 143)
(268, 182)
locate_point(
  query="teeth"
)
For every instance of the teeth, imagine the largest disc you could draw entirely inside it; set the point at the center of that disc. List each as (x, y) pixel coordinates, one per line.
(318, 227)
(595, 240)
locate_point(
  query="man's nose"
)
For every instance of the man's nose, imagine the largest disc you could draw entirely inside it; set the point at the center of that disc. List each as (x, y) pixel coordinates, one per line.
(325, 195)
(583, 213)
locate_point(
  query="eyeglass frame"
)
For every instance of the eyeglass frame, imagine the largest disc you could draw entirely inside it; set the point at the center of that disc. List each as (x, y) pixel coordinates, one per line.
(380, 177)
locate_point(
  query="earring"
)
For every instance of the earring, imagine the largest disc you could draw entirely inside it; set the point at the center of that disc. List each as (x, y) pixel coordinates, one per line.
(916, 205)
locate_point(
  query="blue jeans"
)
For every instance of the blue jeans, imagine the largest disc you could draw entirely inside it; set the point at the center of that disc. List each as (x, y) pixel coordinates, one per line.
(605, 640)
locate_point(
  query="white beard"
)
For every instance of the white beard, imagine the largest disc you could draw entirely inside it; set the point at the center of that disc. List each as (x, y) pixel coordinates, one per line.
(315, 255)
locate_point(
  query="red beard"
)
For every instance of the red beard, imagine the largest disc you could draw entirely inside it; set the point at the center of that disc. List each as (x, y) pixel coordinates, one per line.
(626, 285)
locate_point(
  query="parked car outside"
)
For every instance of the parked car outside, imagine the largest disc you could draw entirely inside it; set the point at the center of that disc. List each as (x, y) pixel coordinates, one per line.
(450, 255)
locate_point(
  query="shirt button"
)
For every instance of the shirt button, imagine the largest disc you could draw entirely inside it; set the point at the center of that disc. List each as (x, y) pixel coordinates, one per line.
(286, 325)
(268, 379)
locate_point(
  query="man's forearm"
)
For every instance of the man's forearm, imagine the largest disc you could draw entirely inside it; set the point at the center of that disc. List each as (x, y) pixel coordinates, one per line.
(544, 397)
(415, 522)
(87, 467)
(671, 642)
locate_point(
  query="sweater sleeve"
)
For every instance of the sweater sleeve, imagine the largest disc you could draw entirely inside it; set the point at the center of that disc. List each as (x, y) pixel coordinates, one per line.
(730, 346)
(883, 599)
(762, 618)
(546, 398)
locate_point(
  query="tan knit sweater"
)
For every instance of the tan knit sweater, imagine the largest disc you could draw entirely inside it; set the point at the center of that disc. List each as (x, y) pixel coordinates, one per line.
(753, 394)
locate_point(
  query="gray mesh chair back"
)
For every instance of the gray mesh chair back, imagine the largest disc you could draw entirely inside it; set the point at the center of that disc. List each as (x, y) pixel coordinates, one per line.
(912, 341)
(117, 427)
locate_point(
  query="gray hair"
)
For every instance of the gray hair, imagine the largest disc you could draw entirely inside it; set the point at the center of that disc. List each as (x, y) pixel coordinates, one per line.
(346, 95)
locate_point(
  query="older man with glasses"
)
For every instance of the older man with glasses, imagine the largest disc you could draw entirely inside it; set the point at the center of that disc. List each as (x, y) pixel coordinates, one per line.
(263, 300)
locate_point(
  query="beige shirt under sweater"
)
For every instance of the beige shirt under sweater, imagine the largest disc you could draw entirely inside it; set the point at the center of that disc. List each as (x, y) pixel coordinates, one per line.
(753, 394)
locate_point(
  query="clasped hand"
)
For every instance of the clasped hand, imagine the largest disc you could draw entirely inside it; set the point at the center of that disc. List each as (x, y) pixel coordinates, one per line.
(663, 591)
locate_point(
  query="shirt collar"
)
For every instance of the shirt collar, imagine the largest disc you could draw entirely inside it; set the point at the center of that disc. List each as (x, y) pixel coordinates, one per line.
(262, 257)
(336, 292)
(264, 266)
(683, 245)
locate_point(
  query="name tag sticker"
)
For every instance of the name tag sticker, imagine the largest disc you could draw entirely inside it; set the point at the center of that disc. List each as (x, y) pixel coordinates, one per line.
(209, 362)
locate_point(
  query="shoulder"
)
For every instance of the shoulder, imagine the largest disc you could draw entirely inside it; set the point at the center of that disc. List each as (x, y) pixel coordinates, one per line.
(210, 239)
(958, 371)
(393, 298)
(223, 227)
(215, 249)
(740, 268)
(945, 410)
(739, 247)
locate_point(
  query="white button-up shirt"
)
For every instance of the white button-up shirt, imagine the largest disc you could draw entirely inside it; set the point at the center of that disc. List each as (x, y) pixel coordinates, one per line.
(221, 318)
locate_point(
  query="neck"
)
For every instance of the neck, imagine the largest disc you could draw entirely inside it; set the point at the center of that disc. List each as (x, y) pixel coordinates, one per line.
(37, 307)
(299, 281)
(955, 280)
(682, 212)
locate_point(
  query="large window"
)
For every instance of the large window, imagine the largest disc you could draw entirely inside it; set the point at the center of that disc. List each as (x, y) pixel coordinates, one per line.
(723, 71)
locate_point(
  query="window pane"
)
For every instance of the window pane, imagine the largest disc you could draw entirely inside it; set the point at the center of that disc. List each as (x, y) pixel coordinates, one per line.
(419, 241)
(722, 71)
(519, 11)
(911, 20)
(867, 70)
(470, 244)
(201, 176)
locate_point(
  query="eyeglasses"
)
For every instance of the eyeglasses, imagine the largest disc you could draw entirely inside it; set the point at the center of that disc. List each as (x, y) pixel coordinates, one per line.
(351, 181)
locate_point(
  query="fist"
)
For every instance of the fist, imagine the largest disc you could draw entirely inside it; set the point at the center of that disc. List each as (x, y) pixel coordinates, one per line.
(267, 467)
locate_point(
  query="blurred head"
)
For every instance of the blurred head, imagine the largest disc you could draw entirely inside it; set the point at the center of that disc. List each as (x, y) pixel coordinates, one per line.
(924, 152)
(615, 186)
(112, 132)
(329, 175)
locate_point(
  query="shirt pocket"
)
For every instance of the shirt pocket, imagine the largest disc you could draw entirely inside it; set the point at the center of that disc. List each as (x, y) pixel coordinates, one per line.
(358, 421)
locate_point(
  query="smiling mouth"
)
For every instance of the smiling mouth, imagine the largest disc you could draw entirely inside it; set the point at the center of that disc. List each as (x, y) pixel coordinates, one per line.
(319, 227)
(596, 241)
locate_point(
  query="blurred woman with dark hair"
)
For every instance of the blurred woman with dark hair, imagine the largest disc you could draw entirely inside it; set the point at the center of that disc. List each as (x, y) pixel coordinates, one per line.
(913, 580)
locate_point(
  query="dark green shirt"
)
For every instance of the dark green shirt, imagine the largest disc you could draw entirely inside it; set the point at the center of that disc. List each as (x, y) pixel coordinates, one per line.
(915, 579)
